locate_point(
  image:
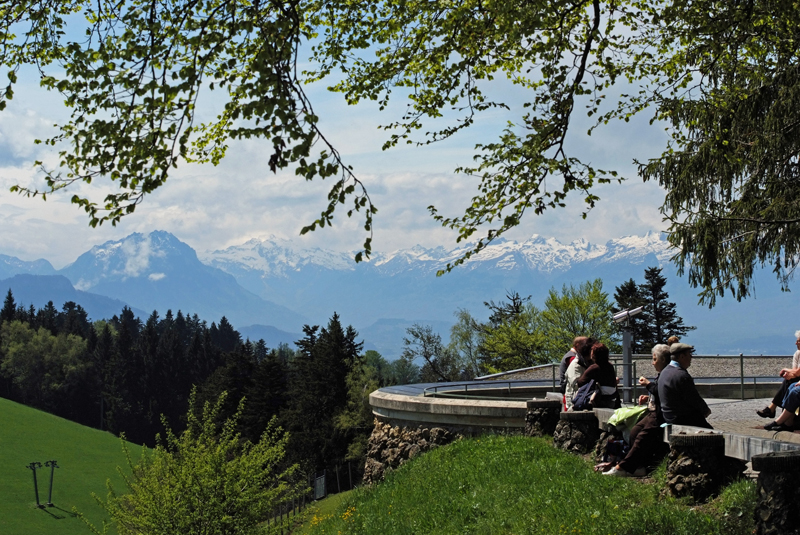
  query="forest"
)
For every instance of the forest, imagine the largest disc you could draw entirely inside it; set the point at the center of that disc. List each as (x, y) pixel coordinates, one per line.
(136, 378)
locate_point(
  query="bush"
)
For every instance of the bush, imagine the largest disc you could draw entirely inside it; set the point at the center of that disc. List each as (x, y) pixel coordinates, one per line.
(208, 481)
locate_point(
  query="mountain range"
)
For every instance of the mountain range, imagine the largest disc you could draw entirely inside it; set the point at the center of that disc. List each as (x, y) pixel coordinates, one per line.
(269, 288)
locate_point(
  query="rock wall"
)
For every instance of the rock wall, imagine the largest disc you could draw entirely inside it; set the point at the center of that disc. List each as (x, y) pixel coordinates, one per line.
(390, 446)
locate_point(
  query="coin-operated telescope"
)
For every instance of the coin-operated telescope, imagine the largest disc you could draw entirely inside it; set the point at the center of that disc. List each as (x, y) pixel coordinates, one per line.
(623, 318)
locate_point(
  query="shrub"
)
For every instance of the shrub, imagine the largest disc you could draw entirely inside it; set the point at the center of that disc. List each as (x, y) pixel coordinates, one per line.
(208, 481)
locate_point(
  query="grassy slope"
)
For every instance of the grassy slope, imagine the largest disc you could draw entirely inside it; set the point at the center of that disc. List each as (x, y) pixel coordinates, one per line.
(521, 485)
(86, 459)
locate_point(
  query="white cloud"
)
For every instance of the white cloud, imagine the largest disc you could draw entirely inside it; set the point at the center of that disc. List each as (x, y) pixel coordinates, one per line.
(156, 276)
(215, 207)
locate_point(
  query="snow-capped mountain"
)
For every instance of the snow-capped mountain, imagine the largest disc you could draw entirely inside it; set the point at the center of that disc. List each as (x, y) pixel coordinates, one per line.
(275, 257)
(159, 272)
(11, 265)
(272, 257)
(272, 282)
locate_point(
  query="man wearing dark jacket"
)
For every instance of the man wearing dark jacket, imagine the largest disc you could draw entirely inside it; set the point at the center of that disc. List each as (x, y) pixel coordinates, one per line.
(681, 403)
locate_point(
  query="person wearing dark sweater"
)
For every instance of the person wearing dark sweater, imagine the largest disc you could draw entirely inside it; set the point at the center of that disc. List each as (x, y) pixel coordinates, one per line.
(681, 403)
(604, 377)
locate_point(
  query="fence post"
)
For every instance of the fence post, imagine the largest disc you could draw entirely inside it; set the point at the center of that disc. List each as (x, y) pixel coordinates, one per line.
(741, 372)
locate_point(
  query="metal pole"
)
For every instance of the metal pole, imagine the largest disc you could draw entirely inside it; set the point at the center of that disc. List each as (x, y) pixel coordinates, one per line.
(53, 465)
(33, 466)
(741, 371)
(627, 383)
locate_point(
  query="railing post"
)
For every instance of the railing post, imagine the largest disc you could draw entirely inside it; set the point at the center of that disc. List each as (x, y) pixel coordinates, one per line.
(741, 372)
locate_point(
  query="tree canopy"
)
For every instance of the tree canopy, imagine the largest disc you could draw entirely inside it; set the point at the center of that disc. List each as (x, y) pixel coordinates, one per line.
(722, 77)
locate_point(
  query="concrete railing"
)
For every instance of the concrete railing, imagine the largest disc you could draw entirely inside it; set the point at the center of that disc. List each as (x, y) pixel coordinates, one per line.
(407, 406)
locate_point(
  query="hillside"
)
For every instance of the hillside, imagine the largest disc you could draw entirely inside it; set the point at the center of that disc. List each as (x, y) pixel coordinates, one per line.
(86, 459)
(515, 484)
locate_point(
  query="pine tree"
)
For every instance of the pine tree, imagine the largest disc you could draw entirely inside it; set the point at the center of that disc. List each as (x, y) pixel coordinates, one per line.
(659, 319)
(9, 311)
(627, 296)
(267, 394)
(318, 392)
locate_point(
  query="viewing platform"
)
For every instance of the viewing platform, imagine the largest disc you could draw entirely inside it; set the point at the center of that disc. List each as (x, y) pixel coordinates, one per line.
(477, 407)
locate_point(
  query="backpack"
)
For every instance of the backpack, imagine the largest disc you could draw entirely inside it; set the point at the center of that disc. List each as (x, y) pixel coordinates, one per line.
(582, 401)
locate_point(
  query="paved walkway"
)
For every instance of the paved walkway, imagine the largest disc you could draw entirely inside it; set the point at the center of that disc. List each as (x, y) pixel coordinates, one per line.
(737, 416)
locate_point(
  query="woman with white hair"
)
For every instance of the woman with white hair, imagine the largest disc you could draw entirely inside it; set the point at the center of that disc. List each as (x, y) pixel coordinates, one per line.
(647, 435)
(790, 376)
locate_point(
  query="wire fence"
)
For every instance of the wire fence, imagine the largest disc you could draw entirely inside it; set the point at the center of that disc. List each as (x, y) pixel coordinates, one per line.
(318, 486)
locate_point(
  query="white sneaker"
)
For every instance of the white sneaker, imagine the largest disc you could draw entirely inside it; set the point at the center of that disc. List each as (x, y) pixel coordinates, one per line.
(616, 472)
(640, 472)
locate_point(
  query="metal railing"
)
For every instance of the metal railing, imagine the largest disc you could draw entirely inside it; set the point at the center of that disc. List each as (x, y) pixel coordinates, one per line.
(469, 389)
(699, 363)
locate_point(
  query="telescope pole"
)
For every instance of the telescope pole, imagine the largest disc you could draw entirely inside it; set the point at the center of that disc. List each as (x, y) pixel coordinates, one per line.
(627, 362)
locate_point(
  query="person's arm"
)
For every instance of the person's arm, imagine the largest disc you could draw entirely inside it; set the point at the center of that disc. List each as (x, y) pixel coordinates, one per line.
(590, 373)
(790, 374)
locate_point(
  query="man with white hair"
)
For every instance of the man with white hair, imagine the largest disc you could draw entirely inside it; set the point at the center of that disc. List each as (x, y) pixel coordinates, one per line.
(790, 376)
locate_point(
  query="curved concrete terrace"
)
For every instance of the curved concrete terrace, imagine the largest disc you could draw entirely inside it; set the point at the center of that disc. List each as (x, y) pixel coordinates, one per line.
(407, 405)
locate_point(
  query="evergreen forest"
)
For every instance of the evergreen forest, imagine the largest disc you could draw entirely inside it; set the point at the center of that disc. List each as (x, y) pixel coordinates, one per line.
(135, 378)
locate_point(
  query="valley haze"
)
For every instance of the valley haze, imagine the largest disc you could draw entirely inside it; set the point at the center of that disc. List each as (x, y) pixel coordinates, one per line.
(269, 288)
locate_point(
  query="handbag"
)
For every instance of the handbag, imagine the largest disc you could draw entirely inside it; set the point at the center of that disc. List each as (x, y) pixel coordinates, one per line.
(582, 401)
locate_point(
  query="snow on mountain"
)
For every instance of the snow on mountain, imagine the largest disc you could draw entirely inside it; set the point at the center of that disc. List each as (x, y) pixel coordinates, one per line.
(276, 257)
(11, 265)
(272, 257)
(158, 271)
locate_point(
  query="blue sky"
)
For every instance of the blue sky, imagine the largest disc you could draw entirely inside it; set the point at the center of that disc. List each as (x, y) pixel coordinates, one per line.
(215, 207)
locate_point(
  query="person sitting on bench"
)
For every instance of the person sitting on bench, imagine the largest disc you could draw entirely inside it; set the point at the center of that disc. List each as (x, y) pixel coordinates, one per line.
(681, 403)
(646, 435)
(790, 376)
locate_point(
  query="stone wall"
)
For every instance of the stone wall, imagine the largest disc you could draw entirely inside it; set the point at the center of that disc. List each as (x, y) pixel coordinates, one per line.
(390, 446)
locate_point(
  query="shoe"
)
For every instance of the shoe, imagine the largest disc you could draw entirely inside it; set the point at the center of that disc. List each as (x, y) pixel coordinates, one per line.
(640, 472)
(775, 426)
(766, 412)
(616, 472)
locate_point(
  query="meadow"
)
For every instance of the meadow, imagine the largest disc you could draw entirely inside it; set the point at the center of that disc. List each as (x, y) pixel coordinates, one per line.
(519, 485)
(486, 485)
(86, 458)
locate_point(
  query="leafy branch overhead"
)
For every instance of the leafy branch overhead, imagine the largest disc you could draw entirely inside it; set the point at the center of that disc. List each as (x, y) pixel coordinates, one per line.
(724, 86)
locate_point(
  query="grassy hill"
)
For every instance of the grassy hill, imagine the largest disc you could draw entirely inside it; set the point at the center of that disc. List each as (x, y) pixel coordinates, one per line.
(503, 485)
(86, 459)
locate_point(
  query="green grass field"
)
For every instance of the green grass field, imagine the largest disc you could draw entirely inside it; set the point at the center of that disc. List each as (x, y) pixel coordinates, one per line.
(86, 459)
(519, 485)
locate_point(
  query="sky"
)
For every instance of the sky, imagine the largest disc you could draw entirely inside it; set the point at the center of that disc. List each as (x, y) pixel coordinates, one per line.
(212, 207)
